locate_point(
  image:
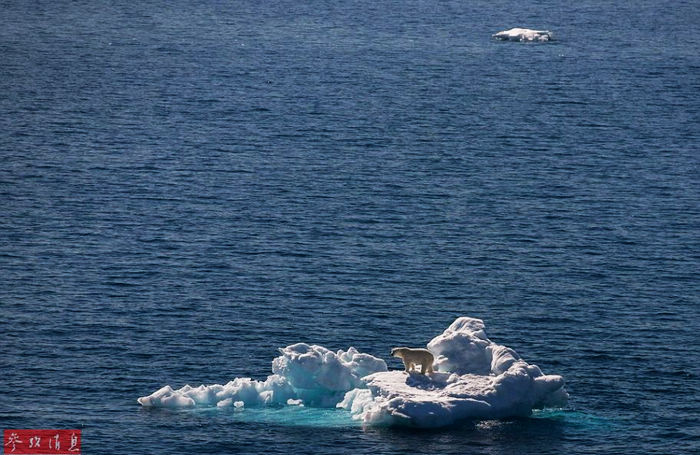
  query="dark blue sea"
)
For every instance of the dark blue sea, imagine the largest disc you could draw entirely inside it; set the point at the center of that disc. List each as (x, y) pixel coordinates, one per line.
(186, 186)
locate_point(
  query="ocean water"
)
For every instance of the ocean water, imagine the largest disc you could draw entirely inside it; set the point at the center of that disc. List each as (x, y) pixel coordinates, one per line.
(187, 186)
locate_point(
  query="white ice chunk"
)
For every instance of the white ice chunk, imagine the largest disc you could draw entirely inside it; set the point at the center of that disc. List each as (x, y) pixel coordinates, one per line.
(461, 348)
(524, 34)
(304, 374)
(475, 379)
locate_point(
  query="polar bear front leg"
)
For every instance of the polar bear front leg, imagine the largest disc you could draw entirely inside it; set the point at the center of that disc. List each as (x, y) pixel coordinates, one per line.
(407, 365)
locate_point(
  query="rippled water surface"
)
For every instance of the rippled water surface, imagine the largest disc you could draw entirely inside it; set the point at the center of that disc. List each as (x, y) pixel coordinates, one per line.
(187, 186)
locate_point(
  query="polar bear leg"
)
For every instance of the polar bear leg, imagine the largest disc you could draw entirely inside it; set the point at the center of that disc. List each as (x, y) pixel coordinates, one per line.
(407, 365)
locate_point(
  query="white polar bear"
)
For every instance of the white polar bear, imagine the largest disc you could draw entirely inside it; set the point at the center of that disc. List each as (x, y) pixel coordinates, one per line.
(413, 356)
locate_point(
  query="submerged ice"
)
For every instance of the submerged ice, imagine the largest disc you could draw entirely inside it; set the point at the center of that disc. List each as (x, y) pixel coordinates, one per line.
(474, 378)
(524, 34)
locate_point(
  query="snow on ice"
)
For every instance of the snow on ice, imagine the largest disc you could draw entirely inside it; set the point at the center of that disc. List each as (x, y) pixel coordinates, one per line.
(474, 379)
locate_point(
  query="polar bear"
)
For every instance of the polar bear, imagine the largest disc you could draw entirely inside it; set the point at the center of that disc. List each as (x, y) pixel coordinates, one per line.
(413, 356)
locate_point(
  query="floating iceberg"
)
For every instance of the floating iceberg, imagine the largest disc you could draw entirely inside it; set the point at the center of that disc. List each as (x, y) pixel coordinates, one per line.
(303, 374)
(474, 379)
(524, 34)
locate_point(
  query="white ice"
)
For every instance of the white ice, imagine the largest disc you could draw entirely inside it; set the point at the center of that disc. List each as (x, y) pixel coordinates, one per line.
(524, 34)
(302, 374)
(474, 378)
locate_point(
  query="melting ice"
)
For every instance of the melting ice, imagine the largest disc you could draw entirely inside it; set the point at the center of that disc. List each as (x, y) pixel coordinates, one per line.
(524, 34)
(474, 378)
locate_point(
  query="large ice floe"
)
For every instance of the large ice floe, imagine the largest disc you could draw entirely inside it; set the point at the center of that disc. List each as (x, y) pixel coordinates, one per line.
(474, 379)
(524, 34)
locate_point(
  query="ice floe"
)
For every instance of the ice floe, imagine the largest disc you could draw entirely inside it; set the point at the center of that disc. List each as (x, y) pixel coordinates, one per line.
(302, 374)
(474, 378)
(524, 34)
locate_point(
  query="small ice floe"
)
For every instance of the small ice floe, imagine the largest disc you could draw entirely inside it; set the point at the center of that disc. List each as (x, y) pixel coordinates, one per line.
(473, 379)
(302, 375)
(524, 34)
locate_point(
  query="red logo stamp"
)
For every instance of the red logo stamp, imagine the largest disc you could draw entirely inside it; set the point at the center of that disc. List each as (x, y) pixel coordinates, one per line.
(41, 441)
